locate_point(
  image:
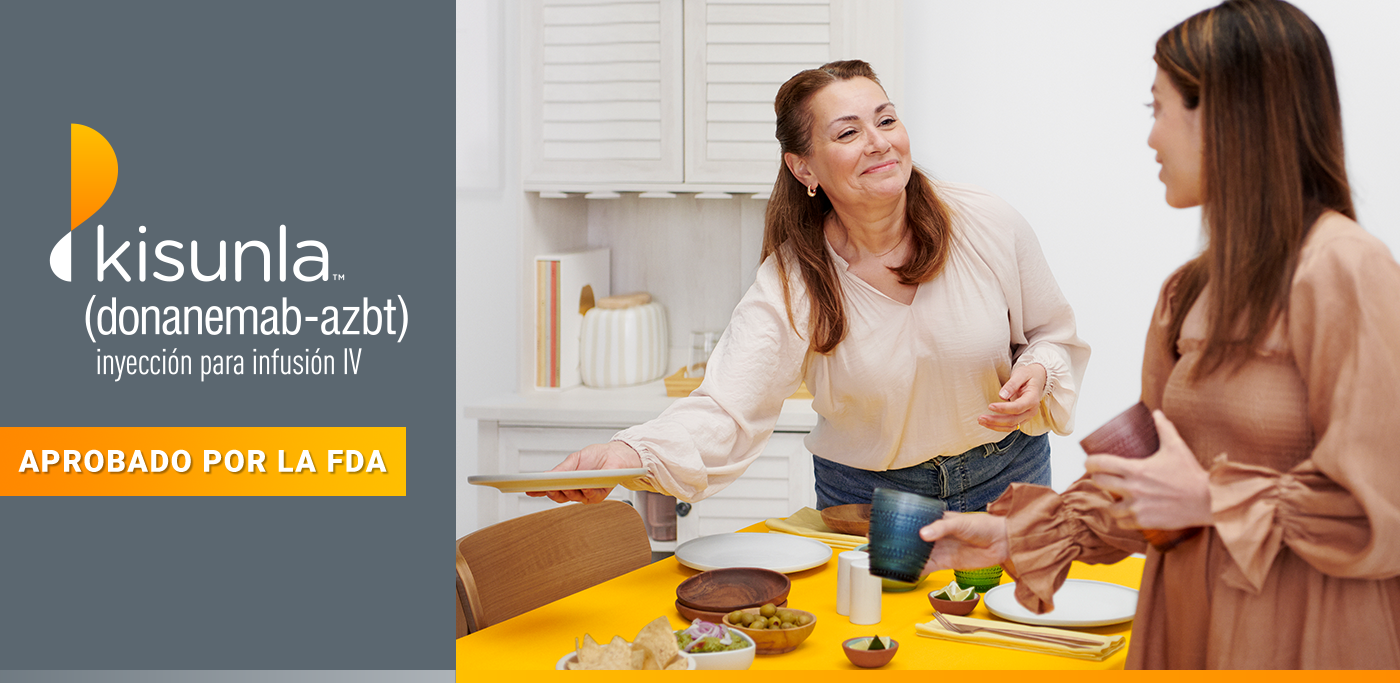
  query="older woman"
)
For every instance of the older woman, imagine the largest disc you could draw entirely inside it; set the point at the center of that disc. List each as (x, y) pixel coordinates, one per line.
(1273, 362)
(922, 316)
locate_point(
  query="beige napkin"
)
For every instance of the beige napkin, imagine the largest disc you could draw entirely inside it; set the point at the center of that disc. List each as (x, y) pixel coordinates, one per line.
(1108, 644)
(808, 522)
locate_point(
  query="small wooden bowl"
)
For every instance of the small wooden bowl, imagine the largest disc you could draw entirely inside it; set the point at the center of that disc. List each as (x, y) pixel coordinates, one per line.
(725, 590)
(713, 617)
(776, 641)
(869, 659)
(960, 608)
(848, 519)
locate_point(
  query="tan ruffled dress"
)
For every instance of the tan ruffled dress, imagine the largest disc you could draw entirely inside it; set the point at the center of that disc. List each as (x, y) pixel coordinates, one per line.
(1302, 566)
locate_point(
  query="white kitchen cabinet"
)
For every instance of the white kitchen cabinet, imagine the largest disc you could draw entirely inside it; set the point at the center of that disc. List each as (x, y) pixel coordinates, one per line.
(677, 95)
(602, 91)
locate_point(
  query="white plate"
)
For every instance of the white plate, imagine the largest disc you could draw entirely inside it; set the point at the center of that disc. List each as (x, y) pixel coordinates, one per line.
(783, 553)
(1079, 602)
(557, 481)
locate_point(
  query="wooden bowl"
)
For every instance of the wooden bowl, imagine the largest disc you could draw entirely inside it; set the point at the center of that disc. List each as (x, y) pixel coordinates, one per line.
(725, 590)
(848, 519)
(777, 641)
(960, 608)
(869, 659)
(713, 617)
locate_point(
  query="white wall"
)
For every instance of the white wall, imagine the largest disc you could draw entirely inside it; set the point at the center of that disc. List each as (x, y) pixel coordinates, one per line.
(1040, 102)
(489, 202)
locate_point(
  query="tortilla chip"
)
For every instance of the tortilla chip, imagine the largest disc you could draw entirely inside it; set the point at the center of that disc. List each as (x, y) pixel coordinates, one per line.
(654, 648)
(659, 640)
(589, 652)
(641, 659)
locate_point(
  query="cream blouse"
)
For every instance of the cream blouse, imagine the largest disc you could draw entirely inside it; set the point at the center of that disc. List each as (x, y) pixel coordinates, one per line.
(906, 384)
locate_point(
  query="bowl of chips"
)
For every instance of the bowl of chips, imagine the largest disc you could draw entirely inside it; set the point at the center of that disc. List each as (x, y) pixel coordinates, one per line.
(653, 648)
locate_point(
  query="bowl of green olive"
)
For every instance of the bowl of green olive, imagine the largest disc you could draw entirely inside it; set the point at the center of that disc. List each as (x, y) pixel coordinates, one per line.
(774, 630)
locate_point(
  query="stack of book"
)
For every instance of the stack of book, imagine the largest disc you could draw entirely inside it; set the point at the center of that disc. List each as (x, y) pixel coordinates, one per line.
(566, 286)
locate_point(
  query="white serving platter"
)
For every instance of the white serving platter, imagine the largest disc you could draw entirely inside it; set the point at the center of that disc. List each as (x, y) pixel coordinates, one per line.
(557, 481)
(783, 553)
(1080, 602)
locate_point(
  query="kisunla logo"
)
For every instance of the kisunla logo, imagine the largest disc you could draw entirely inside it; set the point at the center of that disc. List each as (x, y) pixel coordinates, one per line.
(93, 177)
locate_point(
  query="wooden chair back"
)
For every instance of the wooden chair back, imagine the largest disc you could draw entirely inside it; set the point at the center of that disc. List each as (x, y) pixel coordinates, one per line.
(517, 565)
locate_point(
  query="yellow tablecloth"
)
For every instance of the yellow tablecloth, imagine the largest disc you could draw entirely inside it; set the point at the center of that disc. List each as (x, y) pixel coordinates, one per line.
(537, 639)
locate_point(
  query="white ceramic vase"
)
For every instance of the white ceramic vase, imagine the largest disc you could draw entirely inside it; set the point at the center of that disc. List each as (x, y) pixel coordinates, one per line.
(620, 347)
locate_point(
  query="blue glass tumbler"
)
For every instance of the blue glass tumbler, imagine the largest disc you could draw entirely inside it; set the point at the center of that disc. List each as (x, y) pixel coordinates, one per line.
(896, 550)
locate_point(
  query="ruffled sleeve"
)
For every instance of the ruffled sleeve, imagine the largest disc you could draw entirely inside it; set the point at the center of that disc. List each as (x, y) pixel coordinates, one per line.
(1042, 322)
(702, 443)
(1047, 531)
(1340, 509)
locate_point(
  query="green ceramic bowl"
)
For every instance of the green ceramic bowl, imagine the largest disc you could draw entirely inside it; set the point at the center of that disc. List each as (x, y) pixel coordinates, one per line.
(980, 580)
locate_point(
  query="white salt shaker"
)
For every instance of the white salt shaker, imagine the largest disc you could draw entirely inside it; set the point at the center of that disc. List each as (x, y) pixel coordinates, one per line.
(843, 578)
(865, 593)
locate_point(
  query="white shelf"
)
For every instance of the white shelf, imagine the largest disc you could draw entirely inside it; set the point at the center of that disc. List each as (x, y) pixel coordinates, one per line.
(555, 190)
(618, 408)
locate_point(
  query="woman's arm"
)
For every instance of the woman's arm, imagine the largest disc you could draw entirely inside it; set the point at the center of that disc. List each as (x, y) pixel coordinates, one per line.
(702, 443)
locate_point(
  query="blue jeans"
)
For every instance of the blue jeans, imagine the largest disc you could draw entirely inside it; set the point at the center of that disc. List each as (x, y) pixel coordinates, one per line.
(966, 482)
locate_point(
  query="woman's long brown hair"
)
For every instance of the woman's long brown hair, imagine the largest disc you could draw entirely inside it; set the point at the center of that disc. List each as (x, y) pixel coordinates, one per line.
(794, 222)
(1272, 162)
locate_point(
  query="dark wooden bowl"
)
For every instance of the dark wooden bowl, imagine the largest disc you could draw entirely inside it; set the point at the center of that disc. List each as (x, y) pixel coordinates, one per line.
(725, 590)
(848, 519)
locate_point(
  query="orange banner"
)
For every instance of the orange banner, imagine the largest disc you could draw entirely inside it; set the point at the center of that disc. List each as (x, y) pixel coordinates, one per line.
(203, 461)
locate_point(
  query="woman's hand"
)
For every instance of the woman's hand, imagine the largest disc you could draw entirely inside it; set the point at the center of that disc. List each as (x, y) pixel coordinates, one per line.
(969, 541)
(1021, 399)
(613, 455)
(1167, 490)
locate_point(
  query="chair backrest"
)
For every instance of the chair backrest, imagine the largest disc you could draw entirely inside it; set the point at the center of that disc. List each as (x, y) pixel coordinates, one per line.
(517, 565)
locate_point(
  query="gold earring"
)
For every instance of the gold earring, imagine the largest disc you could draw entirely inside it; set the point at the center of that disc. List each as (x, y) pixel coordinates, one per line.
(812, 191)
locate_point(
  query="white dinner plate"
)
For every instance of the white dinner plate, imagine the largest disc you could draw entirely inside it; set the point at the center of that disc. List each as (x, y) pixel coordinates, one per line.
(783, 553)
(557, 481)
(1079, 602)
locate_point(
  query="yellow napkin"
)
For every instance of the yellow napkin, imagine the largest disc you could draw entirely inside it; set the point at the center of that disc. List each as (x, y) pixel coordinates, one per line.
(808, 522)
(1108, 644)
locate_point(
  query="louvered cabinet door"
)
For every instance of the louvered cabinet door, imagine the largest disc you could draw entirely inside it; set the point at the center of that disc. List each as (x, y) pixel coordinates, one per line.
(737, 54)
(602, 91)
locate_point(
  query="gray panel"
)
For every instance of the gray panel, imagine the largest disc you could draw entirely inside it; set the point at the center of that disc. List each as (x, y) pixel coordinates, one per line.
(228, 120)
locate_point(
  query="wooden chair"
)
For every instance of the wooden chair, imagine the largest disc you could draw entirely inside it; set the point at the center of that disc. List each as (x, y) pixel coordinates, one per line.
(517, 565)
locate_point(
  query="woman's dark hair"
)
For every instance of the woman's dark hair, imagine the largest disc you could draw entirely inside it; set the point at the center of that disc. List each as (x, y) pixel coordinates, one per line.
(1272, 162)
(796, 220)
